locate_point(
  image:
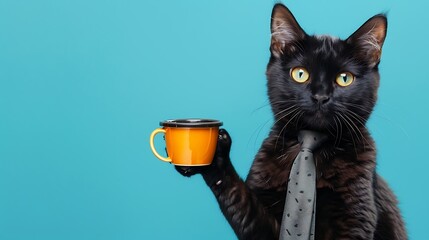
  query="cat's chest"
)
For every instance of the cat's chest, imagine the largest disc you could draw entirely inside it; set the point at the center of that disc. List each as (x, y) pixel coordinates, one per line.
(328, 169)
(325, 172)
(324, 183)
(275, 176)
(332, 170)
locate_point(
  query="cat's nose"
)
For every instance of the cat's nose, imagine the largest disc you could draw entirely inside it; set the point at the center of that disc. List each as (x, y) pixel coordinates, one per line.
(320, 98)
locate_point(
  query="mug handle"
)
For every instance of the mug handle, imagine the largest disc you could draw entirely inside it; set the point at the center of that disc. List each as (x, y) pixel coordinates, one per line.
(152, 146)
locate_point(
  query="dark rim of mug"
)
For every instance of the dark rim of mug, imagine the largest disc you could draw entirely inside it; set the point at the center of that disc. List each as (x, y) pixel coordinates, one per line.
(191, 122)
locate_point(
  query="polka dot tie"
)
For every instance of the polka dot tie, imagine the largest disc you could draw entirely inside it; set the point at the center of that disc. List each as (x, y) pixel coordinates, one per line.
(300, 207)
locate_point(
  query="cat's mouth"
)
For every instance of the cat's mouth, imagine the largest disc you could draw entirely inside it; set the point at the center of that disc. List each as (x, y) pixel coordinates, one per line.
(319, 119)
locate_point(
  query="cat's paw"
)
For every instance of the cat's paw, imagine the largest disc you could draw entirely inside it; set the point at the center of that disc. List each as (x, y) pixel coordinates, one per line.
(223, 143)
(188, 171)
(223, 147)
(221, 164)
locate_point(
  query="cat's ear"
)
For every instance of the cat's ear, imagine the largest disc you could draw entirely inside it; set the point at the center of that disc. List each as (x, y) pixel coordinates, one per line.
(285, 30)
(369, 38)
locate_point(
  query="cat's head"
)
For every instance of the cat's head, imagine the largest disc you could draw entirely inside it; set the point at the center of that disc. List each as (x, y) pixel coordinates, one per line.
(322, 82)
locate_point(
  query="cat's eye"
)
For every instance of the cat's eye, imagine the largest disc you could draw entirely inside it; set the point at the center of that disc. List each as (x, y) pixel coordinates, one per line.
(345, 79)
(299, 74)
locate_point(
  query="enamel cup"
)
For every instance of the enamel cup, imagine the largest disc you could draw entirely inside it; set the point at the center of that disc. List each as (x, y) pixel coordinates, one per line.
(189, 142)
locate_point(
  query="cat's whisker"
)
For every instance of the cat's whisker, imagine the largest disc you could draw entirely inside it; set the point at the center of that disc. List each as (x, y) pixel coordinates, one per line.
(344, 106)
(267, 104)
(357, 130)
(338, 122)
(336, 131)
(290, 111)
(258, 131)
(297, 111)
(351, 131)
(299, 117)
(272, 205)
(356, 117)
(357, 106)
(368, 111)
(260, 128)
(296, 114)
(284, 156)
(353, 119)
(294, 110)
(360, 119)
(284, 110)
(377, 114)
(339, 130)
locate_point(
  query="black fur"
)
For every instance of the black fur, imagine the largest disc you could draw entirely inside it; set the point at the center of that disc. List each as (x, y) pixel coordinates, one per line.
(353, 201)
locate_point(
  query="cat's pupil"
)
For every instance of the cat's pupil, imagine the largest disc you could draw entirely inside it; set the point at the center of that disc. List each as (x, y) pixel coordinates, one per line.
(344, 76)
(301, 72)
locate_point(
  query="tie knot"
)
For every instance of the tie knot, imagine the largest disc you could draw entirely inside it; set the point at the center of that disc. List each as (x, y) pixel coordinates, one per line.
(310, 139)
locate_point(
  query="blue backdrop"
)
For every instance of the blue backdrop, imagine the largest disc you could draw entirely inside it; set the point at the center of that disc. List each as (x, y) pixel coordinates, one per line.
(83, 84)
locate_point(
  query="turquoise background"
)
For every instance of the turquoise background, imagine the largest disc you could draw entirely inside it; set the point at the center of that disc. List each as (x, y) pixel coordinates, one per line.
(83, 84)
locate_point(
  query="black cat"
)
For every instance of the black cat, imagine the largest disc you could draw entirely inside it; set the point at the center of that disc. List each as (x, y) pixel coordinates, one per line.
(328, 85)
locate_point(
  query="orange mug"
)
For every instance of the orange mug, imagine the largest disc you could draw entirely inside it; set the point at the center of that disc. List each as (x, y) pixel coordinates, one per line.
(190, 142)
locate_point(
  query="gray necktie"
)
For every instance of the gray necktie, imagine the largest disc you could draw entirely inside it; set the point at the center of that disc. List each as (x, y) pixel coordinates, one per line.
(300, 207)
